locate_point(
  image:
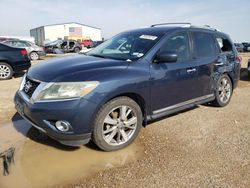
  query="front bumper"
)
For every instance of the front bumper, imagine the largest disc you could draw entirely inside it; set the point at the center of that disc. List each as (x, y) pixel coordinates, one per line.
(41, 115)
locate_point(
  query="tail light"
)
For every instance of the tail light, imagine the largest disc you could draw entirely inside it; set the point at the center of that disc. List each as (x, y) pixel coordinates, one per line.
(24, 52)
(238, 58)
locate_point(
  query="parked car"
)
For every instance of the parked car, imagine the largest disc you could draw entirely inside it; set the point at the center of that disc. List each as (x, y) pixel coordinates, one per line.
(64, 46)
(34, 52)
(246, 46)
(135, 77)
(87, 43)
(97, 43)
(239, 47)
(85, 49)
(12, 60)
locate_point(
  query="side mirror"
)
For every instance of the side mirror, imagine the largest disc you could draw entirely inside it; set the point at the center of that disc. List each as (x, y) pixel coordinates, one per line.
(166, 57)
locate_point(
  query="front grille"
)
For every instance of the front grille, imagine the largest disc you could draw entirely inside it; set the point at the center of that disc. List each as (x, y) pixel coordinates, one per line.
(30, 86)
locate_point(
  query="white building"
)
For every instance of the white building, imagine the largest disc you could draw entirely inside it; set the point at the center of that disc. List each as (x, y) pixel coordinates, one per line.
(72, 30)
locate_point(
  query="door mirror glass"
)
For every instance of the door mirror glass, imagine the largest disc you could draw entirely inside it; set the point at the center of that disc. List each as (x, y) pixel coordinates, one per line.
(166, 57)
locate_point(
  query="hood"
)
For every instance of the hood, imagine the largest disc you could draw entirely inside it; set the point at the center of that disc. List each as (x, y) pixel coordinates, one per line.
(75, 68)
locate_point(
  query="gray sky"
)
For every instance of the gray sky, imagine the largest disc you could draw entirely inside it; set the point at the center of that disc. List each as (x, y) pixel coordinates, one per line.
(18, 17)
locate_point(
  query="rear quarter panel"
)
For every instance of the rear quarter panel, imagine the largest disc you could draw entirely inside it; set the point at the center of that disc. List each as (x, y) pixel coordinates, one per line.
(13, 57)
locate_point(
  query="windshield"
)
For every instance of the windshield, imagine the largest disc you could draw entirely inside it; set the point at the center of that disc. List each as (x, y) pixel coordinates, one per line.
(126, 46)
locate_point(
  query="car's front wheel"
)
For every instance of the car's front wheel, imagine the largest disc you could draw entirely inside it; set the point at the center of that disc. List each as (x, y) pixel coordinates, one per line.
(117, 124)
(223, 91)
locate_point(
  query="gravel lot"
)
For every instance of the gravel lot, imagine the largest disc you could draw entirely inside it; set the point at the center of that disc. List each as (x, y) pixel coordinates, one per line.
(202, 147)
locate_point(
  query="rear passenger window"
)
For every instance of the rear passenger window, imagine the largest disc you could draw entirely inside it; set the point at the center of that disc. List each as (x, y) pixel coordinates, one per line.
(205, 45)
(178, 44)
(224, 44)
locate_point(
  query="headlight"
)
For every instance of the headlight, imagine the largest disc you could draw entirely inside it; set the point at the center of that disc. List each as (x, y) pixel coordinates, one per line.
(22, 82)
(66, 90)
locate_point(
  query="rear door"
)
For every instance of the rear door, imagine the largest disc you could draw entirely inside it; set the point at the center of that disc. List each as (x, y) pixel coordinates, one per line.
(205, 55)
(227, 61)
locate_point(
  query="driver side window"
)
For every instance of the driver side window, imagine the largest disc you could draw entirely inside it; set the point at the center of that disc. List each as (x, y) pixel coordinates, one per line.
(178, 44)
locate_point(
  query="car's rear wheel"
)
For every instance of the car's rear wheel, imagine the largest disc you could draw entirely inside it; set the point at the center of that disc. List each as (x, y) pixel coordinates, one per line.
(223, 91)
(117, 124)
(34, 56)
(6, 71)
(77, 50)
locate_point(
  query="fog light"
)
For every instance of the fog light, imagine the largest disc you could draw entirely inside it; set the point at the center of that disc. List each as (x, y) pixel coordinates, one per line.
(62, 126)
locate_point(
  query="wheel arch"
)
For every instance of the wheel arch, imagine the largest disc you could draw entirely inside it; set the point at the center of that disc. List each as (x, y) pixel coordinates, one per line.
(33, 51)
(5, 61)
(231, 79)
(138, 99)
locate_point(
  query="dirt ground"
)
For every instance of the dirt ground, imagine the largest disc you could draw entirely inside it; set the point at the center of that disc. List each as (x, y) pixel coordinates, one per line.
(202, 147)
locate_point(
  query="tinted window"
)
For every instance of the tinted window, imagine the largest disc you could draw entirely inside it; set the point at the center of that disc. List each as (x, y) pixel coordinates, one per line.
(179, 45)
(7, 42)
(204, 45)
(19, 44)
(71, 44)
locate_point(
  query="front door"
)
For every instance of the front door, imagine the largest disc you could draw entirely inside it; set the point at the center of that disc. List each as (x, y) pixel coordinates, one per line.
(173, 84)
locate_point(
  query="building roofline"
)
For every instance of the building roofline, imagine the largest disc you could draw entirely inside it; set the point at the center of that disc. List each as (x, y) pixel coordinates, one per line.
(67, 23)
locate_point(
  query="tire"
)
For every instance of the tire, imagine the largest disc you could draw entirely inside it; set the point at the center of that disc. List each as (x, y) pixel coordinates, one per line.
(76, 50)
(6, 71)
(34, 56)
(248, 70)
(112, 130)
(224, 91)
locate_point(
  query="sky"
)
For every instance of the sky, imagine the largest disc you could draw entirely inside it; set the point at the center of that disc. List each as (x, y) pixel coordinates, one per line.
(230, 16)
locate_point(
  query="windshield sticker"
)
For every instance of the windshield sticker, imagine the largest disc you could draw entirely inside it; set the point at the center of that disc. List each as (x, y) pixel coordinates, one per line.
(148, 37)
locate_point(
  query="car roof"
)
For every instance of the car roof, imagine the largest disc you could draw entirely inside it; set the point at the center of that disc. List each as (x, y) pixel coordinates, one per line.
(167, 29)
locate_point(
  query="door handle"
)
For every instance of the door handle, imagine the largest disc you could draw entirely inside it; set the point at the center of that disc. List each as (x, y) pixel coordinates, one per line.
(191, 70)
(220, 61)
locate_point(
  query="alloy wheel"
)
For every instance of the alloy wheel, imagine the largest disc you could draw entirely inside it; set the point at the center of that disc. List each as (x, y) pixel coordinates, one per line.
(4, 71)
(119, 125)
(224, 90)
(34, 56)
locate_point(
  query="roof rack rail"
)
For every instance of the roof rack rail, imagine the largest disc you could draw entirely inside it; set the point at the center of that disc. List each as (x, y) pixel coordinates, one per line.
(175, 23)
(209, 27)
(206, 27)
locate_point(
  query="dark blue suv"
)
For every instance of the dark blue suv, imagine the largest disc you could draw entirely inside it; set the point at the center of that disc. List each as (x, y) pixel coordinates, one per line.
(108, 94)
